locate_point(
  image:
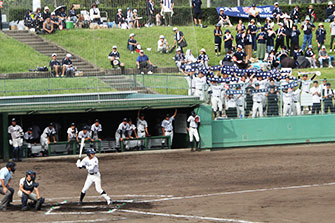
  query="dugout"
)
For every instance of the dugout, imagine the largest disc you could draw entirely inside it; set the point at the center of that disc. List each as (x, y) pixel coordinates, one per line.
(110, 108)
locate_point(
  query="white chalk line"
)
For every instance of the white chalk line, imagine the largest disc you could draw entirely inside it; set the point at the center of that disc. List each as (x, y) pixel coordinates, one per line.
(237, 192)
(75, 221)
(156, 214)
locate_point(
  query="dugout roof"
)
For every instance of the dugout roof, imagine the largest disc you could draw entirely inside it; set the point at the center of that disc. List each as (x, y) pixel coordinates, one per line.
(89, 102)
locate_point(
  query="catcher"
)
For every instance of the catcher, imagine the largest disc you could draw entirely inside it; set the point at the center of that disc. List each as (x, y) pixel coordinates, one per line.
(27, 187)
(91, 163)
(193, 123)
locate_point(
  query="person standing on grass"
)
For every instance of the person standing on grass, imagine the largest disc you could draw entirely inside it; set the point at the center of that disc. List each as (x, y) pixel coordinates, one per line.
(332, 34)
(281, 33)
(261, 45)
(308, 29)
(143, 61)
(167, 11)
(253, 29)
(228, 41)
(150, 10)
(197, 15)
(270, 41)
(248, 44)
(320, 35)
(218, 39)
(1, 6)
(295, 33)
(179, 39)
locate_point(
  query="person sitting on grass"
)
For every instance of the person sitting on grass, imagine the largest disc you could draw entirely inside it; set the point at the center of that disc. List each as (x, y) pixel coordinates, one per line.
(163, 45)
(67, 66)
(135, 19)
(61, 14)
(114, 58)
(203, 58)
(54, 64)
(240, 58)
(224, 19)
(323, 55)
(143, 61)
(129, 18)
(132, 43)
(310, 56)
(55, 21)
(48, 27)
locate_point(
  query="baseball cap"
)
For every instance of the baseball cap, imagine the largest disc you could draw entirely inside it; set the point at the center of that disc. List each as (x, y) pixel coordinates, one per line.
(239, 46)
(178, 49)
(96, 120)
(227, 31)
(328, 84)
(276, 3)
(324, 79)
(53, 13)
(125, 120)
(320, 24)
(161, 37)
(307, 19)
(131, 34)
(30, 129)
(175, 28)
(323, 47)
(310, 46)
(167, 115)
(114, 47)
(203, 50)
(221, 9)
(253, 5)
(46, 7)
(330, 3)
(68, 55)
(54, 55)
(141, 51)
(218, 25)
(135, 10)
(73, 124)
(280, 24)
(119, 10)
(51, 124)
(256, 84)
(85, 128)
(13, 120)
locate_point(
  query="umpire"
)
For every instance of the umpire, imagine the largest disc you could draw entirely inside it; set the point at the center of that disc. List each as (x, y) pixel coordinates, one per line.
(6, 175)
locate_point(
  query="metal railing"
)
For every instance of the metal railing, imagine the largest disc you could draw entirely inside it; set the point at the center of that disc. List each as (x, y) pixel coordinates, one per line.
(146, 141)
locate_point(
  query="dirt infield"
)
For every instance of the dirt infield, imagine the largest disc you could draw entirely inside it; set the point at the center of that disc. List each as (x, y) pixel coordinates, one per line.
(269, 184)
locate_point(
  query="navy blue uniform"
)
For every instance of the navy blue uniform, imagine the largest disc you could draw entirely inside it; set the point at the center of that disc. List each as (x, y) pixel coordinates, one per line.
(228, 45)
(263, 41)
(297, 53)
(66, 61)
(239, 39)
(218, 40)
(253, 28)
(197, 9)
(321, 36)
(280, 38)
(53, 62)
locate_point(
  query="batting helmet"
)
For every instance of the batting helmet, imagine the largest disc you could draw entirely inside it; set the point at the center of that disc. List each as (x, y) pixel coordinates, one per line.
(90, 151)
(11, 165)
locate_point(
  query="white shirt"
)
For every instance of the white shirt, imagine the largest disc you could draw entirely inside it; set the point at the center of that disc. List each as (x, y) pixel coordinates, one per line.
(160, 42)
(141, 125)
(287, 97)
(72, 132)
(15, 131)
(262, 84)
(167, 6)
(94, 11)
(332, 28)
(305, 85)
(315, 98)
(122, 129)
(216, 89)
(257, 97)
(48, 132)
(132, 128)
(200, 83)
(95, 129)
(231, 103)
(193, 123)
(83, 135)
(296, 95)
(239, 100)
(5, 175)
(167, 124)
(91, 165)
(253, 11)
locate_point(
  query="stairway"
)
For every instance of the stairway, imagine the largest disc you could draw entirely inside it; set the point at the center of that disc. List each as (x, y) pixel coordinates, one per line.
(125, 83)
(46, 47)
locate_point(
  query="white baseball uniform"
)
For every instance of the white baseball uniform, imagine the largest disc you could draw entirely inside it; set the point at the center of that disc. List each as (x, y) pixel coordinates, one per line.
(193, 129)
(94, 176)
(121, 132)
(16, 133)
(168, 128)
(44, 137)
(200, 87)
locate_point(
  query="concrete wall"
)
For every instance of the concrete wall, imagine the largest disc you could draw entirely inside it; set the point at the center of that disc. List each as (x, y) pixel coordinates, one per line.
(265, 131)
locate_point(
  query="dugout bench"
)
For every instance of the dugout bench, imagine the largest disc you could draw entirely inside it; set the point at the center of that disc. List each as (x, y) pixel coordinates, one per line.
(71, 146)
(146, 141)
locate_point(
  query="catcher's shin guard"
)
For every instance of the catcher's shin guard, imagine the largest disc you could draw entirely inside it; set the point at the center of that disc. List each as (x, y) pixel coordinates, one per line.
(39, 203)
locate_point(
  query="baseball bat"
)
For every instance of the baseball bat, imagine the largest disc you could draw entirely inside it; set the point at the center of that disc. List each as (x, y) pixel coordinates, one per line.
(82, 144)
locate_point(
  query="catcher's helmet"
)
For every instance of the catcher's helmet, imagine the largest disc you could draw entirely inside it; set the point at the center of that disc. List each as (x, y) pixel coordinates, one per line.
(32, 174)
(193, 114)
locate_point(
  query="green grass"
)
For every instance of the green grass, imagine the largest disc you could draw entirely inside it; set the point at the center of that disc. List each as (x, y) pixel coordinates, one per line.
(41, 86)
(18, 57)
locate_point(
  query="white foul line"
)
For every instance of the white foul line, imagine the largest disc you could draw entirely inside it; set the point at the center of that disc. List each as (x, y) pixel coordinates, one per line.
(237, 192)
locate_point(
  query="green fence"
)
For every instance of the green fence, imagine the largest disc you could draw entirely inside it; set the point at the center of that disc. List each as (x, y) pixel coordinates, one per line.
(264, 131)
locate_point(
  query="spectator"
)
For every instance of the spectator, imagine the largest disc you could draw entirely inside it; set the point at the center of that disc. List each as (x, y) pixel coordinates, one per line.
(129, 18)
(189, 58)
(68, 69)
(73, 14)
(297, 53)
(295, 33)
(253, 30)
(197, 15)
(270, 41)
(1, 16)
(228, 41)
(158, 19)
(254, 14)
(224, 19)
(114, 58)
(48, 27)
(150, 10)
(268, 24)
(162, 45)
(240, 37)
(272, 96)
(55, 21)
(28, 20)
(132, 43)
(295, 15)
(203, 58)
(310, 56)
(135, 19)
(323, 56)
(332, 34)
(288, 26)
(240, 25)
(179, 58)
(328, 95)
(54, 64)
(95, 14)
(218, 39)
(167, 11)
(61, 14)
(239, 58)
(330, 11)
(179, 39)
(310, 14)
(308, 29)
(248, 44)
(281, 33)
(276, 13)
(46, 13)
(261, 46)
(143, 61)
(316, 97)
(320, 35)
(38, 19)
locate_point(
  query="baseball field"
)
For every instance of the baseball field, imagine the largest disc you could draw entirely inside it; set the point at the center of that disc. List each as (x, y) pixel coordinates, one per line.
(267, 184)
